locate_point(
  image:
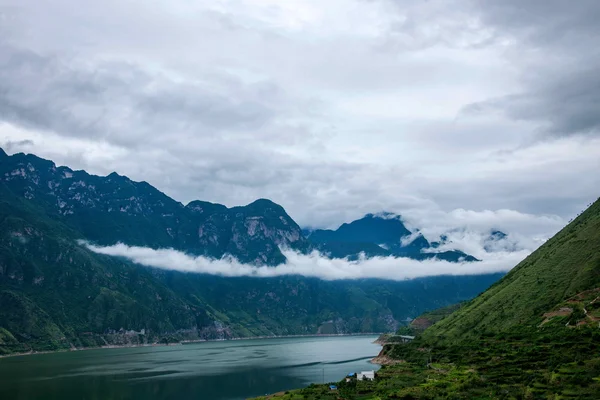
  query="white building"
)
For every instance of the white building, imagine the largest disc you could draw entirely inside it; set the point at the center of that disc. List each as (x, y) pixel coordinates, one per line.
(365, 375)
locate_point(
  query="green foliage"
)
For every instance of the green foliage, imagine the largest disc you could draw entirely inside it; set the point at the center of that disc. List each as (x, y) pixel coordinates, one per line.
(564, 266)
(533, 335)
(56, 294)
(427, 319)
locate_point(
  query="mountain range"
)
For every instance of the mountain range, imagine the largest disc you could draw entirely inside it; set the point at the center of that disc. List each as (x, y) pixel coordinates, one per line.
(114, 208)
(56, 293)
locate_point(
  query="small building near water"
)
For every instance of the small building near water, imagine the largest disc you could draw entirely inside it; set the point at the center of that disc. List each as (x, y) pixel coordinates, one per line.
(365, 375)
(332, 387)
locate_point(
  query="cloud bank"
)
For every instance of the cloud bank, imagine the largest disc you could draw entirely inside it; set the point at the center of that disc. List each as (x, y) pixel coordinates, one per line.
(312, 265)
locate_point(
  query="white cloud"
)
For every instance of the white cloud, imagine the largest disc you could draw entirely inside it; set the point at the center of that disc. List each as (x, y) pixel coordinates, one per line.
(459, 224)
(312, 265)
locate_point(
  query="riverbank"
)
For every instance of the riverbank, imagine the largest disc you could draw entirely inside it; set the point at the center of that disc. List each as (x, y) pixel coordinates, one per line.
(31, 353)
(183, 342)
(319, 391)
(281, 337)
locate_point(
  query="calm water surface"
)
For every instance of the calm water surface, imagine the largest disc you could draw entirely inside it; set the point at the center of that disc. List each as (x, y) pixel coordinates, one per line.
(211, 370)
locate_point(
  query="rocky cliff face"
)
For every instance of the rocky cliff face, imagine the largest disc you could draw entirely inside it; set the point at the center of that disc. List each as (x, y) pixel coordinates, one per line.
(55, 293)
(115, 208)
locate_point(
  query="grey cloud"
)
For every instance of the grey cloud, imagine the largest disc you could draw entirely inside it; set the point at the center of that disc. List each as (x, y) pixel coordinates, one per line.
(556, 46)
(17, 145)
(543, 23)
(449, 23)
(562, 105)
(562, 187)
(475, 23)
(121, 103)
(553, 44)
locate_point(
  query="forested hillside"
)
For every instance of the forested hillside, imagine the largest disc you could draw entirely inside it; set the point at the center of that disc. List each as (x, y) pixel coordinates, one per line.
(535, 334)
(57, 294)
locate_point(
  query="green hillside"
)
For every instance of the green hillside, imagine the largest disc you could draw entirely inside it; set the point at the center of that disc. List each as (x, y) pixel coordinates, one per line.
(565, 266)
(427, 319)
(56, 294)
(535, 334)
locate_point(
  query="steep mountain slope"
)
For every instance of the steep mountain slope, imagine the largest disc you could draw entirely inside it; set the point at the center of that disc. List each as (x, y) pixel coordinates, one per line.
(380, 235)
(427, 319)
(565, 266)
(114, 208)
(535, 334)
(371, 228)
(55, 293)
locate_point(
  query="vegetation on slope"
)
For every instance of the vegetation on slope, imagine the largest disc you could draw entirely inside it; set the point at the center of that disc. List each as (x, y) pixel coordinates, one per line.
(427, 319)
(55, 294)
(533, 335)
(564, 266)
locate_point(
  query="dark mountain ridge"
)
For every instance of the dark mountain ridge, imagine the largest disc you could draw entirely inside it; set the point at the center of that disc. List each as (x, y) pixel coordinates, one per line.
(381, 235)
(57, 294)
(105, 209)
(115, 208)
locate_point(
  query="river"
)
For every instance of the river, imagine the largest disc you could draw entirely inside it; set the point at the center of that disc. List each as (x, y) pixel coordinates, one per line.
(227, 370)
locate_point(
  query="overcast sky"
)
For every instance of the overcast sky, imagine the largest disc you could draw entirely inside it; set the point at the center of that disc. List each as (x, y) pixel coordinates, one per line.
(480, 113)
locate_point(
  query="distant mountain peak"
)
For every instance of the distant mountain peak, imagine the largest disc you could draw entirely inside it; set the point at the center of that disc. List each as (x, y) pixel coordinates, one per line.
(498, 235)
(200, 203)
(115, 175)
(3, 153)
(262, 202)
(263, 206)
(384, 215)
(381, 234)
(205, 208)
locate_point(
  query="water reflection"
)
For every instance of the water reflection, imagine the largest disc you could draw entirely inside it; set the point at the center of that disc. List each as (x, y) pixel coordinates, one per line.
(219, 371)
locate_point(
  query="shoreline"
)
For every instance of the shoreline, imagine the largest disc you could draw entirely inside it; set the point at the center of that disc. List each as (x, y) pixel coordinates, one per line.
(181, 343)
(378, 360)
